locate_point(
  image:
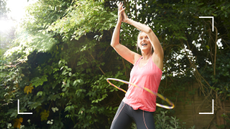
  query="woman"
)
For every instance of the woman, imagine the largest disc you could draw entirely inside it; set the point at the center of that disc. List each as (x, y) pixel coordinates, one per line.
(138, 104)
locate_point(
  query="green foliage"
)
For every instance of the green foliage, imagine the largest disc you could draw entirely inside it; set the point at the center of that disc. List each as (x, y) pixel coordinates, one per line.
(162, 121)
(83, 17)
(227, 120)
(70, 86)
(219, 82)
(3, 9)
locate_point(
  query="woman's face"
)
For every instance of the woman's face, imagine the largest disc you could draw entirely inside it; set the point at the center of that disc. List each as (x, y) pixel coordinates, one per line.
(144, 42)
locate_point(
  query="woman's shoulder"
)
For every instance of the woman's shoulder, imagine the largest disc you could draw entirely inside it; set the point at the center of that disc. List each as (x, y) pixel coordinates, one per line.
(157, 61)
(137, 57)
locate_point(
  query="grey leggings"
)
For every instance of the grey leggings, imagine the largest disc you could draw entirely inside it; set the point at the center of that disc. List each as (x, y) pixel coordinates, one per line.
(125, 115)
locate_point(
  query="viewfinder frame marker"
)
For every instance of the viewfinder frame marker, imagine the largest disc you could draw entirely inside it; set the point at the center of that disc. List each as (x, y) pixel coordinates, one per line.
(212, 109)
(23, 112)
(212, 20)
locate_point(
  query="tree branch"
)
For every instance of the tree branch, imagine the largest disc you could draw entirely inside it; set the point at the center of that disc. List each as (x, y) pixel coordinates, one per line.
(98, 66)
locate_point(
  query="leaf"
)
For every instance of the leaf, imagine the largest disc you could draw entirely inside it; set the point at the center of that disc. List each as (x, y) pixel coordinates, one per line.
(33, 105)
(39, 81)
(44, 115)
(17, 86)
(39, 93)
(68, 108)
(54, 109)
(17, 122)
(28, 89)
(53, 97)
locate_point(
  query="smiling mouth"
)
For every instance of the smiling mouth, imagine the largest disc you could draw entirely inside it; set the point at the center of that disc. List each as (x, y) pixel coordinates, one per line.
(144, 44)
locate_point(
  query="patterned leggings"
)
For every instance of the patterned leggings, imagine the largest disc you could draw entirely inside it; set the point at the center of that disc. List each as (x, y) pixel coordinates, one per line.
(125, 115)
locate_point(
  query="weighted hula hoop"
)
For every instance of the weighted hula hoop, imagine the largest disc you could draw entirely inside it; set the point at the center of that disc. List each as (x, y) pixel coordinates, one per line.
(146, 89)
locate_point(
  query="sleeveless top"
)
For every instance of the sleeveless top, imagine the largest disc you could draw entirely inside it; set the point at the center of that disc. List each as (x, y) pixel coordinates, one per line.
(148, 76)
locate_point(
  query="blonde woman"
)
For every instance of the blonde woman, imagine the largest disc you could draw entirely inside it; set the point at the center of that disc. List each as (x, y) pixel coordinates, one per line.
(138, 105)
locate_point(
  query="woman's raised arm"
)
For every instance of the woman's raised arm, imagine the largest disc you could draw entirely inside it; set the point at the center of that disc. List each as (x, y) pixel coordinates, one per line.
(122, 50)
(158, 50)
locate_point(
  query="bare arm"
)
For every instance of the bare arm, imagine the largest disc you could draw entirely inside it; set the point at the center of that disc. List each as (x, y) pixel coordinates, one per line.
(158, 50)
(122, 50)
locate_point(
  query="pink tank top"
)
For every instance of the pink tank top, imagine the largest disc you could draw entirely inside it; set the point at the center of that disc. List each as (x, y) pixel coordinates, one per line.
(148, 76)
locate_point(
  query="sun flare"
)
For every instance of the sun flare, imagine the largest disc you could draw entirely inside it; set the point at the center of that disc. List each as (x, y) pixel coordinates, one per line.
(5, 25)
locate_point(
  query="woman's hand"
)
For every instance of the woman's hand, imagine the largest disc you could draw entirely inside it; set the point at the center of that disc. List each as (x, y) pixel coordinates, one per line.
(125, 18)
(120, 12)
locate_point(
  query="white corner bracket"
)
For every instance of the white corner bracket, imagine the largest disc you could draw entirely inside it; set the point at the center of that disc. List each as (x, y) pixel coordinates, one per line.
(212, 109)
(212, 20)
(23, 112)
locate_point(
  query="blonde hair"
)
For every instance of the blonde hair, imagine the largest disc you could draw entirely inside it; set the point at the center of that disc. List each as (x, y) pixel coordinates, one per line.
(138, 39)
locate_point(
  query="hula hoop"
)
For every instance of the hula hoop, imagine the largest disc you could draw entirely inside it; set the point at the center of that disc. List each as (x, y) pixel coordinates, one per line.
(146, 89)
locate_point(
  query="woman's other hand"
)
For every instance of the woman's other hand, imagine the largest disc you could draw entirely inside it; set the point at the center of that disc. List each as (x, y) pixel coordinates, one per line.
(125, 17)
(120, 12)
